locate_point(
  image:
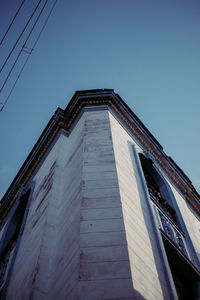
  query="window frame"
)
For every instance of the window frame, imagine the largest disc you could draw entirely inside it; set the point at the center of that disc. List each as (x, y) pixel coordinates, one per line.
(25, 192)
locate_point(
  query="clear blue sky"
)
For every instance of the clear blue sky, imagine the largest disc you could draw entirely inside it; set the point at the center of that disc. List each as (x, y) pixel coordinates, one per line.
(147, 51)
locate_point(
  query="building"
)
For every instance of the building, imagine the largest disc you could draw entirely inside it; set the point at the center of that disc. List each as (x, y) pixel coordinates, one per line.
(99, 211)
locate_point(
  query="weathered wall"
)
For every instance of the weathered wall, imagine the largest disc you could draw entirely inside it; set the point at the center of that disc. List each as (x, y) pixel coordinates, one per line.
(104, 264)
(74, 243)
(50, 243)
(66, 255)
(32, 260)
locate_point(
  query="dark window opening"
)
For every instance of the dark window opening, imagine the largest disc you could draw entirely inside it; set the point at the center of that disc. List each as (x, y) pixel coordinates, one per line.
(156, 188)
(10, 237)
(185, 276)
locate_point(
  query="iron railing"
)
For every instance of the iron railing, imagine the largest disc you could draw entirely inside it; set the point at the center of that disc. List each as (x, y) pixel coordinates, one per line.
(171, 230)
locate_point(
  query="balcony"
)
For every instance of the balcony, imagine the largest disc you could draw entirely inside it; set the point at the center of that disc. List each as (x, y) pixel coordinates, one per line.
(170, 229)
(166, 216)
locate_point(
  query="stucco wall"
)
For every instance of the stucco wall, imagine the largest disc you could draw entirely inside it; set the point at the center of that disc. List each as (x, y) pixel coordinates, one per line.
(74, 243)
(104, 264)
(146, 268)
(32, 259)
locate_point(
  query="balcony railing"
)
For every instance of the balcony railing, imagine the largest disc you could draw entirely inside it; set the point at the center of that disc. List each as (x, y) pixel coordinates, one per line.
(174, 234)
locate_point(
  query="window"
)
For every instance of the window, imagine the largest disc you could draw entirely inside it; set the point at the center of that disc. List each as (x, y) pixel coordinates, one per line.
(157, 188)
(185, 275)
(159, 192)
(10, 239)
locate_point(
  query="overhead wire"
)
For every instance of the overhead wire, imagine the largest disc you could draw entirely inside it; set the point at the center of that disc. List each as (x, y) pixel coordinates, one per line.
(23, 47)
(19, 37)
(29, 54)
(16, 14)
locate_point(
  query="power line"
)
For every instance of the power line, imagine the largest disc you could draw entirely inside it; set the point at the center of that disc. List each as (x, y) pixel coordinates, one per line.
(45, 23)
(13, 48)
(12, 22)
(23, 47)
(29, 54)
(3, 104)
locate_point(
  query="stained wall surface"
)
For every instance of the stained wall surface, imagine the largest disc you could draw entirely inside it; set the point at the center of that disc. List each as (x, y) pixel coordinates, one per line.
(74, 243)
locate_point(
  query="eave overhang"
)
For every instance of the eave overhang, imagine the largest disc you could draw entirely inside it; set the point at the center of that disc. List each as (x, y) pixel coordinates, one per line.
(65, 119)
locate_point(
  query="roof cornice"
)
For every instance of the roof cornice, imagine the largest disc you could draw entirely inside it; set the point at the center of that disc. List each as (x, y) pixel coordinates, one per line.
(65, 119)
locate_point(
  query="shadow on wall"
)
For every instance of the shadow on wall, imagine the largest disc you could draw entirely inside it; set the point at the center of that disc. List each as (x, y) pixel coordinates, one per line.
(138, 296)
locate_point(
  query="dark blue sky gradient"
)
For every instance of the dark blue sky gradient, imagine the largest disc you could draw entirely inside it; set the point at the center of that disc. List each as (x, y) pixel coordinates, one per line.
(147, 51)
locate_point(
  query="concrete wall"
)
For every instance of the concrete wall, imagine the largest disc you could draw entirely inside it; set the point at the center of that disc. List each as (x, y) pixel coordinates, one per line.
(146, 268)
(31, 271)
(104, 264)
(74, 243)
(88, 233)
